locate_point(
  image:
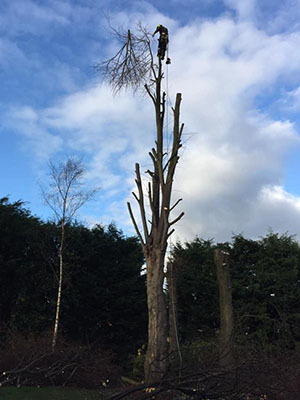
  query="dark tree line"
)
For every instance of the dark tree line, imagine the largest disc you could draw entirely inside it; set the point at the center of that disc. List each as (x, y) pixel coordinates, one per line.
(105, 298)
(265, 276)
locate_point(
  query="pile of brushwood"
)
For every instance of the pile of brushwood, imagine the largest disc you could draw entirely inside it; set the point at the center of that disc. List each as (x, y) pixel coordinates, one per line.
(255, 374)
(29, 361)
(257, 377)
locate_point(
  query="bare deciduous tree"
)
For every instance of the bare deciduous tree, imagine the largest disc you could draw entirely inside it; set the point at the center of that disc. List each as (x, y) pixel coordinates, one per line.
(134, 66)
(65, 195)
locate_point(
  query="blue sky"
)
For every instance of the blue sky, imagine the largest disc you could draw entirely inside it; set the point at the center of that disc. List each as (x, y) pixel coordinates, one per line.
(237, 65)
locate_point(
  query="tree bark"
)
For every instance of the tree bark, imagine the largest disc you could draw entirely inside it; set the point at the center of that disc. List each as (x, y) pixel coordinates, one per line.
(226, 309)
(60, 281)
(173, 339)
(156, 362)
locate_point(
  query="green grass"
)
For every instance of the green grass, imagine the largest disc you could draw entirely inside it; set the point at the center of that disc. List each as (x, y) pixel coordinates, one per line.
(49, 393)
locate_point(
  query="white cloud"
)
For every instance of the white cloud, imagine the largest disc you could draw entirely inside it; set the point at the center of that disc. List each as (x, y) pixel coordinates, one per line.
(110, 132)
(231, 171)
(238, 151)
(26, 16)
(291, 100)
(244, 8)
(10, 54)
(36, 139)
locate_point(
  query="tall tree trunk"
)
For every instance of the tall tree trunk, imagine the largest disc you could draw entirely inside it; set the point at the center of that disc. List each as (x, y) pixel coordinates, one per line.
(129, 67)
(59, 291)
(156, 362)
(155, 238)
(226, 309)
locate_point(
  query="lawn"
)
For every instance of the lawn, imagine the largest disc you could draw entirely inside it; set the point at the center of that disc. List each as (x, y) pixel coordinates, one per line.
(49, 393)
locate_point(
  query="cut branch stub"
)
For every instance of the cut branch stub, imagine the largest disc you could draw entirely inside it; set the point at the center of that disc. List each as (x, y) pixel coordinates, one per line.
(135, 224)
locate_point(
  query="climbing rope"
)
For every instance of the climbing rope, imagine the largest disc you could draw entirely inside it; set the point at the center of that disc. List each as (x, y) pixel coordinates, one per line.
(167, 96)
(167, 102)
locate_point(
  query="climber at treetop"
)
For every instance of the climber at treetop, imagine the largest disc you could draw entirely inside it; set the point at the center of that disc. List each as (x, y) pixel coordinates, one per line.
(162, 41)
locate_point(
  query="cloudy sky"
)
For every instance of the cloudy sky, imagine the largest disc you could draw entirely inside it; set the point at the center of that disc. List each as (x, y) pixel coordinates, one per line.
(237, 65)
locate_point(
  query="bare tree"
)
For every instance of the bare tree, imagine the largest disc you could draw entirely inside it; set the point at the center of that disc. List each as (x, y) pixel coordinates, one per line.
(64, 196)
(134, 66)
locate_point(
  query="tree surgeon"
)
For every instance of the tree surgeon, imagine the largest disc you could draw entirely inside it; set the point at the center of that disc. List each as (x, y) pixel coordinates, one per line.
(162, 42)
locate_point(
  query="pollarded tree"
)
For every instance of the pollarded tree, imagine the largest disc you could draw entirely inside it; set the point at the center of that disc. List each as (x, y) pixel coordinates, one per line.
(132, 67)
